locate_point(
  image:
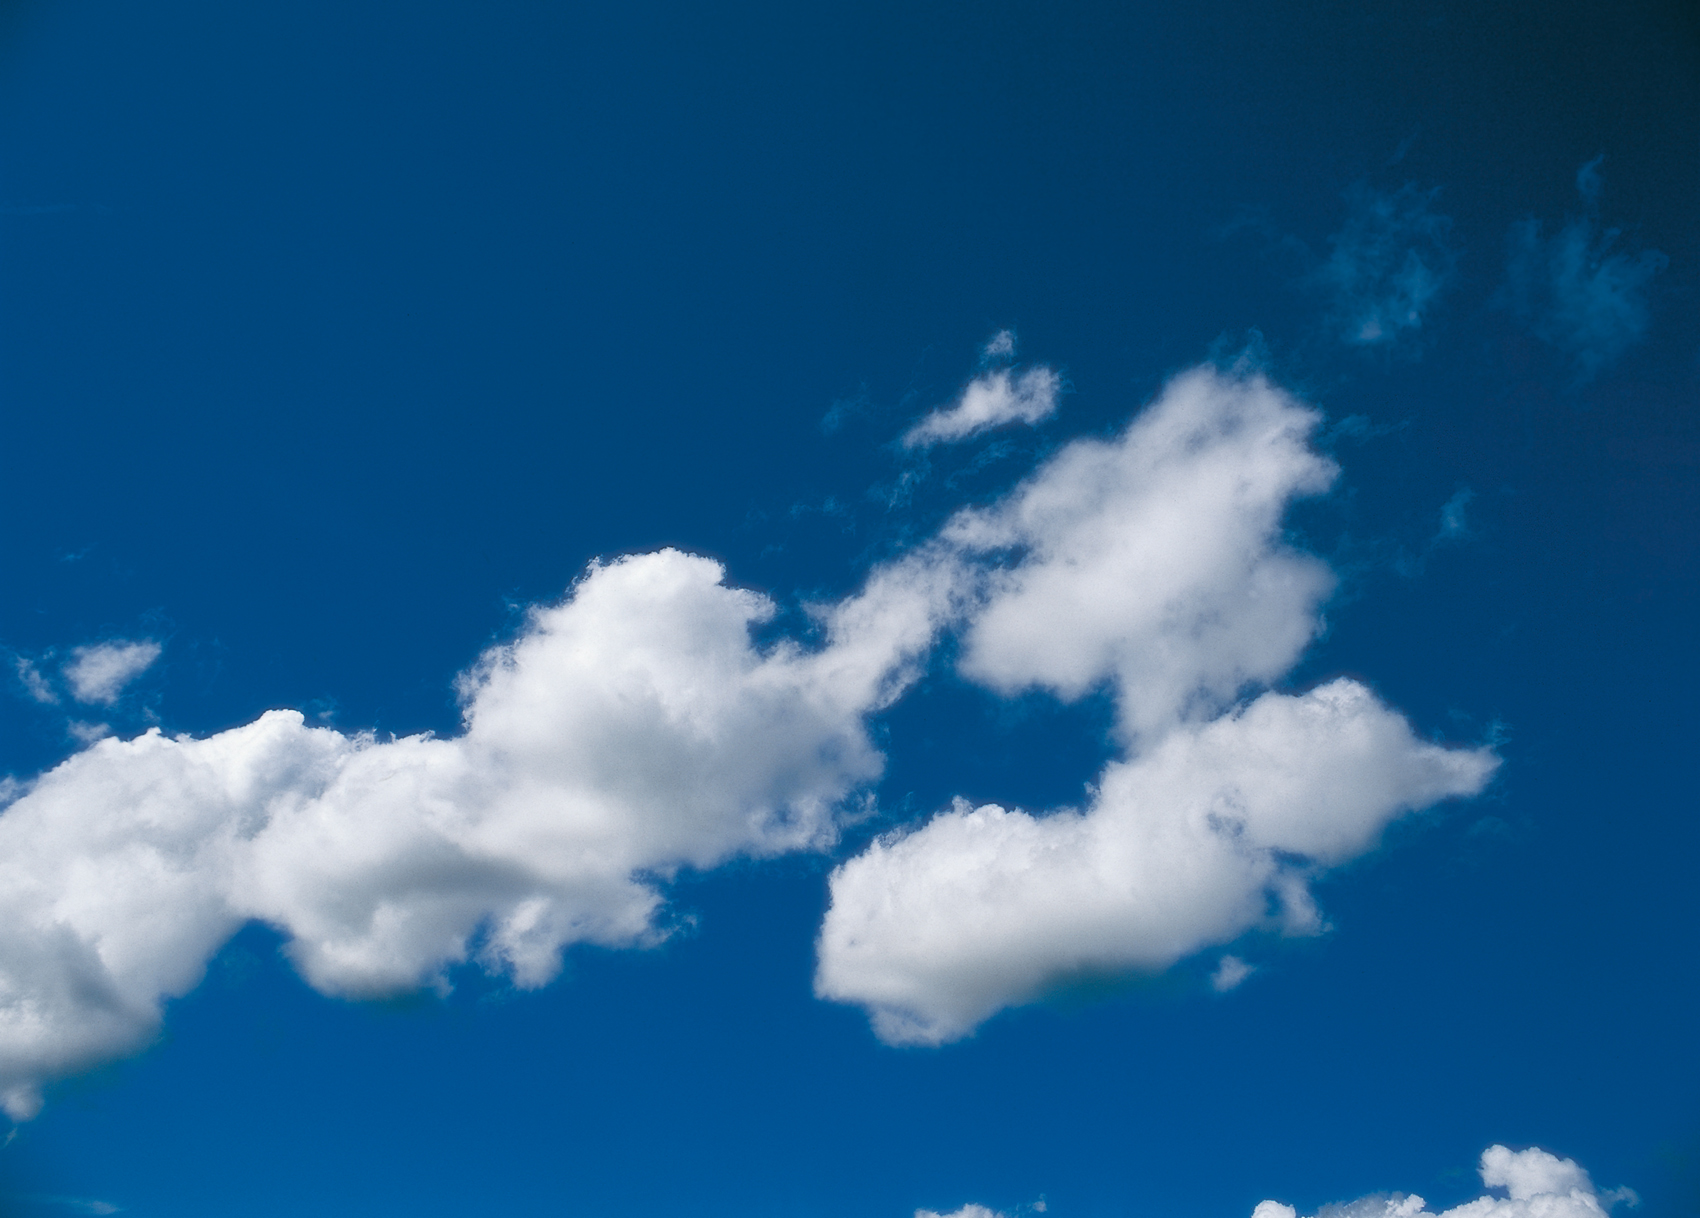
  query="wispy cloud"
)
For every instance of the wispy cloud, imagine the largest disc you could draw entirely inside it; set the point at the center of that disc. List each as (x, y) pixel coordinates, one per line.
(1582, 289)
(99, 673)
(1230, 972)
(35, 685)
(78, 1205)
(991, 400)
(1388, 265)
(1000, 346)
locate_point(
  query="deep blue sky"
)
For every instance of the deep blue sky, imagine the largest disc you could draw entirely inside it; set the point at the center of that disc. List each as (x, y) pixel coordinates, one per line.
(333, 335)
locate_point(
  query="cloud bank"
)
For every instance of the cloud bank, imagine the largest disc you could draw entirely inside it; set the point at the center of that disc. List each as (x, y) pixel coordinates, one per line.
(1152, 564)
(1536, 1184)
(637, 728)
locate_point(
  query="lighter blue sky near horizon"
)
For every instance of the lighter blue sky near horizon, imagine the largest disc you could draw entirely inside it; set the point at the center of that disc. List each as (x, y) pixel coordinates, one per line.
(851, 610)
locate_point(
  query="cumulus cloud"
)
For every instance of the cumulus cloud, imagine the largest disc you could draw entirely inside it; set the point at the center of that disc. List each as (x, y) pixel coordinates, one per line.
(1535, 1184)
(98, 674)
(968, 1211)
(629, 731)
(1389, 264)
(1215, 831)
(1153, 564)
(1577, 290)
(990, 401)
(1161, 551)
(637, 728)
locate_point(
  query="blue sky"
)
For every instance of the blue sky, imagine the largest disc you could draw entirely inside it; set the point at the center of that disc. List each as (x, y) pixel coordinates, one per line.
(849, 611)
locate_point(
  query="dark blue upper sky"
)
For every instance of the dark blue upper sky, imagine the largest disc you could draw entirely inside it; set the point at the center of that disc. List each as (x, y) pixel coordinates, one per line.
(334, 335)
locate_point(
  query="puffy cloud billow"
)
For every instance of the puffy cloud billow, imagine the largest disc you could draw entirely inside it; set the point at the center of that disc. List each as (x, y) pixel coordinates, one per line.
(637, 728)
(1534, 1184)
(1154, 564)
(632, 730)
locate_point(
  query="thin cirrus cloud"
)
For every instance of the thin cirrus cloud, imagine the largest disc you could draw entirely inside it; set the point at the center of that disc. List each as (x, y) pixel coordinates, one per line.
(991, 400)
(637, 728)
(1153, 564)
(1389, 264)
(1534, 1184)
(1580, 290)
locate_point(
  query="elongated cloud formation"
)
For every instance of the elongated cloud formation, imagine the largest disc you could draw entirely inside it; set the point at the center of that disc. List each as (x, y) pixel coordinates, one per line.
(990, 401)
(630, 731)
(1152, 563)
(1536, 1185)
(636, 728)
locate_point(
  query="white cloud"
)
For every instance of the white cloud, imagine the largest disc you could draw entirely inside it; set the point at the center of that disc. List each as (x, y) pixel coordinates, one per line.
(1216, 830)
(87, 733)
(98, 674)
(35, 685)
(628, 732)
(1000, 346)
(968, 1211)
(990, 401)
(1161, 551)
(1153, 563)
(636, 729)
(1574, 292)
(1390, 263)
(1230, 971)
(1536, 1185)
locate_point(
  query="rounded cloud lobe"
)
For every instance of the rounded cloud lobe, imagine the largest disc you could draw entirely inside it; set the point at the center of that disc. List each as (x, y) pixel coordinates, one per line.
(632, 730)
(636, 728)
(1537, 1184)
(1153, 564)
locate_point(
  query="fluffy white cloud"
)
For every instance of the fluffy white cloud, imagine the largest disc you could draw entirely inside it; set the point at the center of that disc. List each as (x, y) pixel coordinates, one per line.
(636, 728)
(1154, 563)
(1536, 1184)
(968, 1211)
(1154, 560)
(1212, 832)
(631, 730)
(98, 674)
(991, 401)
